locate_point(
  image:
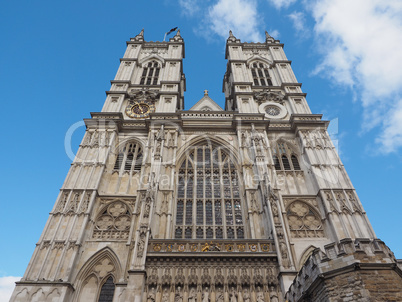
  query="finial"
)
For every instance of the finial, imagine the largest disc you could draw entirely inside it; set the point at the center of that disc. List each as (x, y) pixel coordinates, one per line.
(205, 92)
(140, 36)
(230, 33)
(178, 32)
(268, 38)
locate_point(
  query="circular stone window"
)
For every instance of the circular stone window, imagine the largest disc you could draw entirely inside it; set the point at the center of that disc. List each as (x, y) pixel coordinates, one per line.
(273, 110)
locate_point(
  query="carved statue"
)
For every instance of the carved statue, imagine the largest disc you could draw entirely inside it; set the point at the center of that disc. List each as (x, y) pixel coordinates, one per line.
(151, 295)
(233, 295)
(179, 295)
(246, 295)
(260, 295)
(147, 207)
(273, 295)
(141, 245)
(205, 295)
(192, 296)
(219, 295)
(165, 296)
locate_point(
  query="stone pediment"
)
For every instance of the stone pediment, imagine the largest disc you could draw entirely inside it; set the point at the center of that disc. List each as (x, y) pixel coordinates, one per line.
(206, 104)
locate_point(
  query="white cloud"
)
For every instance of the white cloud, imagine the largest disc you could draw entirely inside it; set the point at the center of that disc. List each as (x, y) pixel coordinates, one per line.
(361, 43)
(240, 16)
(7, 285)
(299, 23)
(281, 3)
(274, 34)
(189, 7)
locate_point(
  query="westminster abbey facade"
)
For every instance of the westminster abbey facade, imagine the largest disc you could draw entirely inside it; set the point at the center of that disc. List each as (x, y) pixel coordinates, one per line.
(247, 203)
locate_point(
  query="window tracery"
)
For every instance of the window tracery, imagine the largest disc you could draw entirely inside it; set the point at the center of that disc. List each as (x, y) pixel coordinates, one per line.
(284, 158)
(150, 74)
(303, 221)
(260, 74)
(208, 196)
(129, 158)
(113, 222)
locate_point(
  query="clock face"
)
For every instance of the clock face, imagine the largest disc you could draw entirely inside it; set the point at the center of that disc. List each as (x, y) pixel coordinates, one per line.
(140, 109)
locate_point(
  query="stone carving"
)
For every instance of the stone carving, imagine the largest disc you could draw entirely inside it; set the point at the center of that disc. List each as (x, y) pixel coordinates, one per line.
(151, 295)
(284, 254)
(62, 203)
(253, 203)
(165, 295)
(244, 276)
(260, 295)
(147, 208)
(192, 278)
(233, 295)
(275, 211)
(192, 295)
(95, 139)
(273, 296)
(220, 297)
(159, 138)
(104, 267)
(246, 295)
(179, 279)
(58, 245)
(45, 245)
(206, 278)
(85, 203)
(73, 206)
(141, 245)
(219, 279)
(88, 138)
(271, 276)
(269, 95)
(205, 295)
(113, 222)
(303, 221)
(178, 297)
(167, 277)
(143, 94)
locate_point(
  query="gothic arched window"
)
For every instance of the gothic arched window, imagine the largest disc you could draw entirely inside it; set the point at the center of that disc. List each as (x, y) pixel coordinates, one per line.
(107, 291)
(150, 74)
(208, 196)
(281, 154)
(129, 158)
(260, 74)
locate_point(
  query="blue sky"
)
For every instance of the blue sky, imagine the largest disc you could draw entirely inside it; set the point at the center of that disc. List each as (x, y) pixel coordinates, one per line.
(57, 58)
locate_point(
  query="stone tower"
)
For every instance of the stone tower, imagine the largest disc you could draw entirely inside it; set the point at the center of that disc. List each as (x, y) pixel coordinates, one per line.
(250, 203)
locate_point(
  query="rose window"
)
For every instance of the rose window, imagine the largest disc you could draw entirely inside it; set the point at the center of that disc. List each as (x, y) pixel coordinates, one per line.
(272, 110)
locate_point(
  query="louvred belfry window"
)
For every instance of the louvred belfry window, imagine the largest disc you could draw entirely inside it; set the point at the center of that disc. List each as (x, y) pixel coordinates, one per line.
(208, 196)
(260, 74)
(284, 158)
(150, 74)
(129, 158)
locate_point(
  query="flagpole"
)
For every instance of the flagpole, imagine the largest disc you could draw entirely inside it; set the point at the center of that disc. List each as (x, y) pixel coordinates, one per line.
(164, 38)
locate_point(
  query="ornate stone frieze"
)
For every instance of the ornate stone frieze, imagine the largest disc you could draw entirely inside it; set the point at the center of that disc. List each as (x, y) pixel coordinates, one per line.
(255, 246)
